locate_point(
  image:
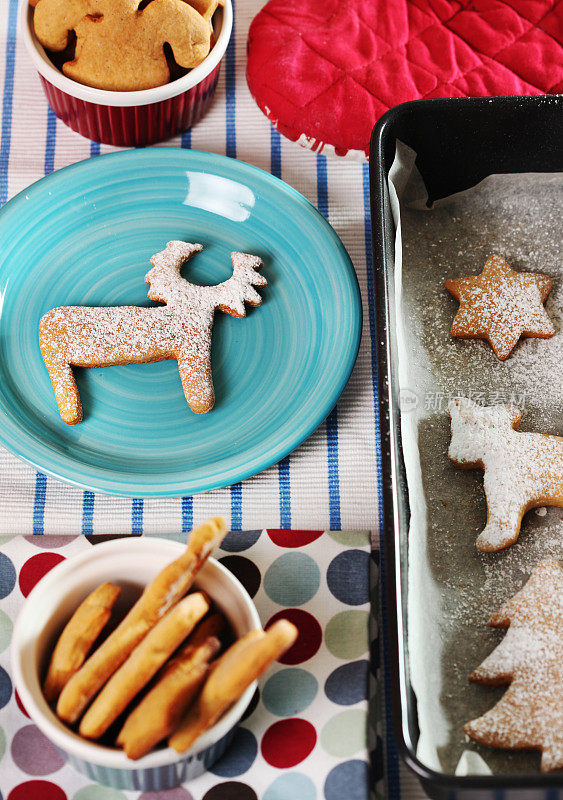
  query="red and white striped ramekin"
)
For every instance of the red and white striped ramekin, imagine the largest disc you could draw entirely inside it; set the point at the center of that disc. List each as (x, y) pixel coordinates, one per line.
(128, 119)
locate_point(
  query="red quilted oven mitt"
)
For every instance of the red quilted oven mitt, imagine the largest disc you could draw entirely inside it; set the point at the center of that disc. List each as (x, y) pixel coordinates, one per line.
(323, 71)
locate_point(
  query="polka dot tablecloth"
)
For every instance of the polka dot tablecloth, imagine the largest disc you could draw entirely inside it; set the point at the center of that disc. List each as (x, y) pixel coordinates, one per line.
(309, 732)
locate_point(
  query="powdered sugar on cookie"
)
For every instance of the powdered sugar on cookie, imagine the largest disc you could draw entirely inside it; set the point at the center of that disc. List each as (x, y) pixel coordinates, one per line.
(530, 659)
(501, 305)
(522, 470)
(96, 337)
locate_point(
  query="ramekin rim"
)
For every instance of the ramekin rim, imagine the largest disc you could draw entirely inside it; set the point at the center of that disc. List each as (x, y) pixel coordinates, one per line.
(143, 97)
(95, 754)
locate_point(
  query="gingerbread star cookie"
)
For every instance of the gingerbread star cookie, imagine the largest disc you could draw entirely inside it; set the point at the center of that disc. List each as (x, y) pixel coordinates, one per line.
(530, 659)
(501, 305)
(522, 470)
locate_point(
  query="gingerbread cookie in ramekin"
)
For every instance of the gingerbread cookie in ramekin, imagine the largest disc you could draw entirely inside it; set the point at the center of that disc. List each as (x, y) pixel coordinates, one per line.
(130, 117)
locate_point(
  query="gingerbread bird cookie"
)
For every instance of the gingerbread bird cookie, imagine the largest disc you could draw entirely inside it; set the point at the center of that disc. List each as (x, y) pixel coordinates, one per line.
(522, 470)
(102, 337)
(530, 659)
(501, 305)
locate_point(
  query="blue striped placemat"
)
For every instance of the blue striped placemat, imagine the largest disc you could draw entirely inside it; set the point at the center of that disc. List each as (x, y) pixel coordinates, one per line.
(333, 480)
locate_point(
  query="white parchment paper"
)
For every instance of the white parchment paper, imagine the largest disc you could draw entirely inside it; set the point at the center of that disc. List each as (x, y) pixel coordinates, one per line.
(453, 588)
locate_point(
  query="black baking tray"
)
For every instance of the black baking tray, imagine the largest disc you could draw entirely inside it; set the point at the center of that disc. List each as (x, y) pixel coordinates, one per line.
(458, 142)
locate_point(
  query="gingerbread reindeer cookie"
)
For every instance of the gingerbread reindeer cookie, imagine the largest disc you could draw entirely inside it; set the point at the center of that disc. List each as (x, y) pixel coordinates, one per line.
(101, 337)
(118, 46)
(522, 470)
(530, 659)
(501, 305)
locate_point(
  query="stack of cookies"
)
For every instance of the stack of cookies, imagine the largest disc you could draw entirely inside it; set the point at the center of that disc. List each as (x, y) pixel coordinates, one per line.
(166, 672)
(125, 45)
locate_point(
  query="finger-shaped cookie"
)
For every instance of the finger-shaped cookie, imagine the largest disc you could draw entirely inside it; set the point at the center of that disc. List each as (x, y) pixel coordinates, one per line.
(160, 711)
(243, 663)
(145, 660)
(212, 625)
(77, 638)
(165, 590)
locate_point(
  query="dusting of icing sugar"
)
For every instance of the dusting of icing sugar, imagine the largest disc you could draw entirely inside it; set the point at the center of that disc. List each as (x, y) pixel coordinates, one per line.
(501, 305)
(522, 470)
(520, 217)
(530, 659)
(96, 337)
(168, 286)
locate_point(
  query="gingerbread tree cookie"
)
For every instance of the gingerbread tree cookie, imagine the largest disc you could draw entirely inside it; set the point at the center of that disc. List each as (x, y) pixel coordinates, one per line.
(530, 659)
(522, 470)
(119, 47)
(501, 305)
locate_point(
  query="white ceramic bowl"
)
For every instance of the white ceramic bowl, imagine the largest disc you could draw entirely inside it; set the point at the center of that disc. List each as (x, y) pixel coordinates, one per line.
(129, 118)
(131, 563)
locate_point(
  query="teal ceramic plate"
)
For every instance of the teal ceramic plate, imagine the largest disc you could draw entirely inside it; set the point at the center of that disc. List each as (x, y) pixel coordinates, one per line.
(84, 236)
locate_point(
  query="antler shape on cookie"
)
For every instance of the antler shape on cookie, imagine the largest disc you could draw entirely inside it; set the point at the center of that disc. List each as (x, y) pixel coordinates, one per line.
(100, 337)
(168, 286)
(530, 659)
(522, 470)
